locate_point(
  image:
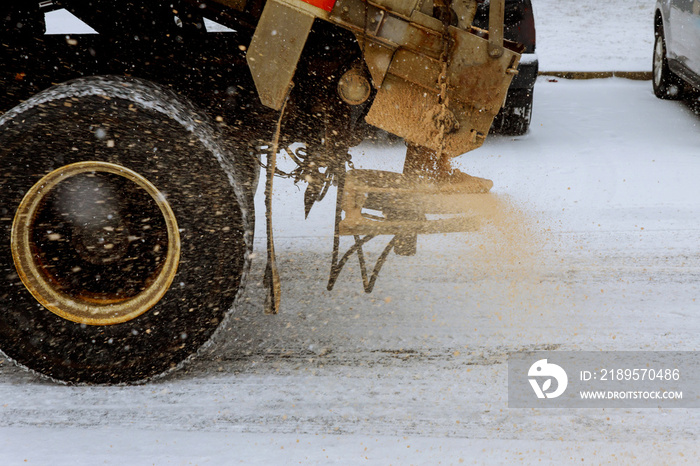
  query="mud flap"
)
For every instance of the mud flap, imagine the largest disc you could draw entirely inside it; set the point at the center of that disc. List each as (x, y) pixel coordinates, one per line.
(276, 47)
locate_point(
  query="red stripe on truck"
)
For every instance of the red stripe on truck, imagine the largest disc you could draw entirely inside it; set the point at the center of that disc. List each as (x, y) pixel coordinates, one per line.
(323, 4)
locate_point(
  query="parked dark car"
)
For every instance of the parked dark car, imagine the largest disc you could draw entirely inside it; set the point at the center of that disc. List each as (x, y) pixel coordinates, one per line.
(514, 117)
(676, 64)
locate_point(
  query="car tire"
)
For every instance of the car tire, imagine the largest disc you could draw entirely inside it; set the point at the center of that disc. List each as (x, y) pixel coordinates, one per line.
(667, 85)
(125, 231)
(514, 118)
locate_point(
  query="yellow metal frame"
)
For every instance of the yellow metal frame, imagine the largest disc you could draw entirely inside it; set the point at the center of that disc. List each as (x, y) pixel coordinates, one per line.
(84, 311)
(400, 193)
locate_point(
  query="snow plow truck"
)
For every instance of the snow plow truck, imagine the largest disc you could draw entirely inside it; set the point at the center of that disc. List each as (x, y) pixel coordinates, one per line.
(129, 158)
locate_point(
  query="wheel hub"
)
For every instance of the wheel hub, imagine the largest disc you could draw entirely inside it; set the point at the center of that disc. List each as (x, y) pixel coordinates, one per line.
(95, 243)
(658, 60)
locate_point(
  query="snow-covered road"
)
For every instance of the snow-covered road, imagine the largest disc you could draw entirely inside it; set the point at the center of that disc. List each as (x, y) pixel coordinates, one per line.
(590, 243)
(616, 35)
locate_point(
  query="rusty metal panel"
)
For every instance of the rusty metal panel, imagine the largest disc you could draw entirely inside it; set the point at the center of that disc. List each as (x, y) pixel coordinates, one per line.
(407, 101)
(425, 20)
(465, 11)
(357, 15)
(400, 7)
(385, 27)
(275, 50)
(496, 27)
(417, 69)
(407, 104)
(411, 36)
(477, 77)
(409, 111)
(426, 7)
(378, 58)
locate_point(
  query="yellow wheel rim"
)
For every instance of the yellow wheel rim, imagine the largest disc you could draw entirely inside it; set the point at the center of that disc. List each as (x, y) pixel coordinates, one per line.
(95, 243)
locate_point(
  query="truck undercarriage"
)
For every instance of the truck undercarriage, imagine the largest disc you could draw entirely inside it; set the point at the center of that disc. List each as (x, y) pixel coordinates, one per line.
(126, 154)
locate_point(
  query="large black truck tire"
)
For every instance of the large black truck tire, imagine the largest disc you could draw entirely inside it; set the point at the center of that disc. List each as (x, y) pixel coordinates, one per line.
(516, 114)
(126, 225)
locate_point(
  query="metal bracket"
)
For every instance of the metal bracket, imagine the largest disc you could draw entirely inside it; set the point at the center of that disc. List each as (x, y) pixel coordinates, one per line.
(404, 205)
(337, 265)
(271, 279)
(496, 28)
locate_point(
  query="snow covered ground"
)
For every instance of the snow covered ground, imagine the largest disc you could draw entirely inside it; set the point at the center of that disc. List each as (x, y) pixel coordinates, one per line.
(589, 243)
(614, 35)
